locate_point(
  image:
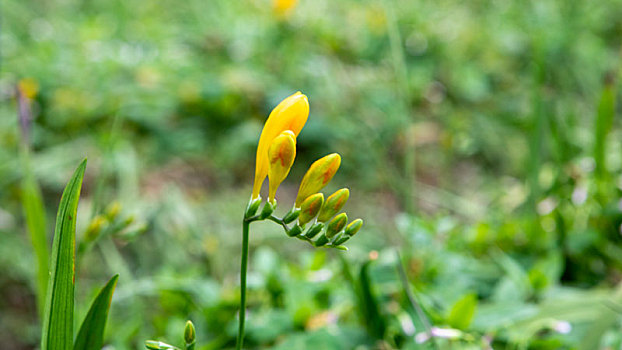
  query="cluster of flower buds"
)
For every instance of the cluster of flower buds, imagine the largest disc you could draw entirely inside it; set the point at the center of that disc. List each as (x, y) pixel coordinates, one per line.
(312, 218)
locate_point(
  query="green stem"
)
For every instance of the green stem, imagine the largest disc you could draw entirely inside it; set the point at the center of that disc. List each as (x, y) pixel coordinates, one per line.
(243, 267)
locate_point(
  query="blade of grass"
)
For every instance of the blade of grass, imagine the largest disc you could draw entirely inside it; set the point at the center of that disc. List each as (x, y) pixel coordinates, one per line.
(34, 213)
(603, 125)
(32, 203)
(57, 333)
(91, 334)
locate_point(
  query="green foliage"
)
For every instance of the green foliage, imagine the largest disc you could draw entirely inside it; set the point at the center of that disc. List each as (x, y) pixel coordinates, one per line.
(91, 333)
(34, 212)
(58, 317)
(462, 312)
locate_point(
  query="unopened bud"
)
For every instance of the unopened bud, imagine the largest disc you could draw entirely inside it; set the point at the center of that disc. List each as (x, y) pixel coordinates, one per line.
(281, 156)
(340, 239)
(336, 225)
(318, 175)
(189, 334)
(267, 210)
(95, 228)
(310, 207)
(314, 230)
(354, 227)
(291, 215)
(113, 210)
(321, 241)
(294, 231)
(333, 204)
(252, 207)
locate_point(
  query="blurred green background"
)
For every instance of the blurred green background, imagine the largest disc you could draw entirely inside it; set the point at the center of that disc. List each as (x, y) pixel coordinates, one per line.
(480, 140)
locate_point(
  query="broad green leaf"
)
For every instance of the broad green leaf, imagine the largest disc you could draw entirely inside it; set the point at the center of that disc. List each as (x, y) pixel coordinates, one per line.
(57, 333)
(34, 213)
(91, 334)
(462, 312)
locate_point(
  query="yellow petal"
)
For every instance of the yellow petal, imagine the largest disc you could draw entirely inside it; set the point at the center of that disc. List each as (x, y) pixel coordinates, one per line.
(318, 175)
(281, 157)
(290, 114)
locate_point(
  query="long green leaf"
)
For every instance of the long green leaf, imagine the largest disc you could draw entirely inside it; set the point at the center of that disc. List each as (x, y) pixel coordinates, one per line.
(91, 334)
(34, 213)
(602, 127)
(57, 331)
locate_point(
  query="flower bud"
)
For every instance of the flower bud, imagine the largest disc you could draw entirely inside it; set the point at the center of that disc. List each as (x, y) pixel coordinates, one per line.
(321, 241)
(252, 207)
(318, 175)
(281, 157)
(310, 207)
(333, 204)
(190, 334)
(354, 227)
(113, 210)
(291, 215)
(340, 239)
(95, 227)
(290, 114)
(314, 230)
(336, 225)
(294, 231)
(267, 210)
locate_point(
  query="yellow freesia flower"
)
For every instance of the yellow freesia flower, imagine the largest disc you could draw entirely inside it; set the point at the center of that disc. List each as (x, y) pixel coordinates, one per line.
(291, 114)
(318, 175)
(282, 7)
(281, 156)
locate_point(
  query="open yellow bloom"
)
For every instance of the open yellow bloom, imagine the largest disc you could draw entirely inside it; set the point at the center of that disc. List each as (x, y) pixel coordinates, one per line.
(281, 156)
(291, 114)
(318, 175)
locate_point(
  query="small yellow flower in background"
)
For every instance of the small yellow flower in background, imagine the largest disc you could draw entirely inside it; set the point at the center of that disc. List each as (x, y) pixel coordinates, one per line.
(28, 87)
(318, 175)
(333, 204)
(310, 207)
(291, 114)
(281, 156)
(282, 7)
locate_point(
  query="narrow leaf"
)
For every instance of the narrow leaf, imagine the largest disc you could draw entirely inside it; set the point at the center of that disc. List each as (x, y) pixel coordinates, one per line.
(34, 213)
(602, 127)
(91, 334)
(57, 333)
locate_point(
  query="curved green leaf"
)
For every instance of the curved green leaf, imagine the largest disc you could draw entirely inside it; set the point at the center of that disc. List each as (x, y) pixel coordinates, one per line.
(57, 331)
(91, 334)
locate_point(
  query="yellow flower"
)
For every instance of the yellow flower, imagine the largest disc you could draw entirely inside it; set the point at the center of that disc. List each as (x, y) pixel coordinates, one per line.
(282, 7)
(291, 114)
(281, 156)
(318, 175)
